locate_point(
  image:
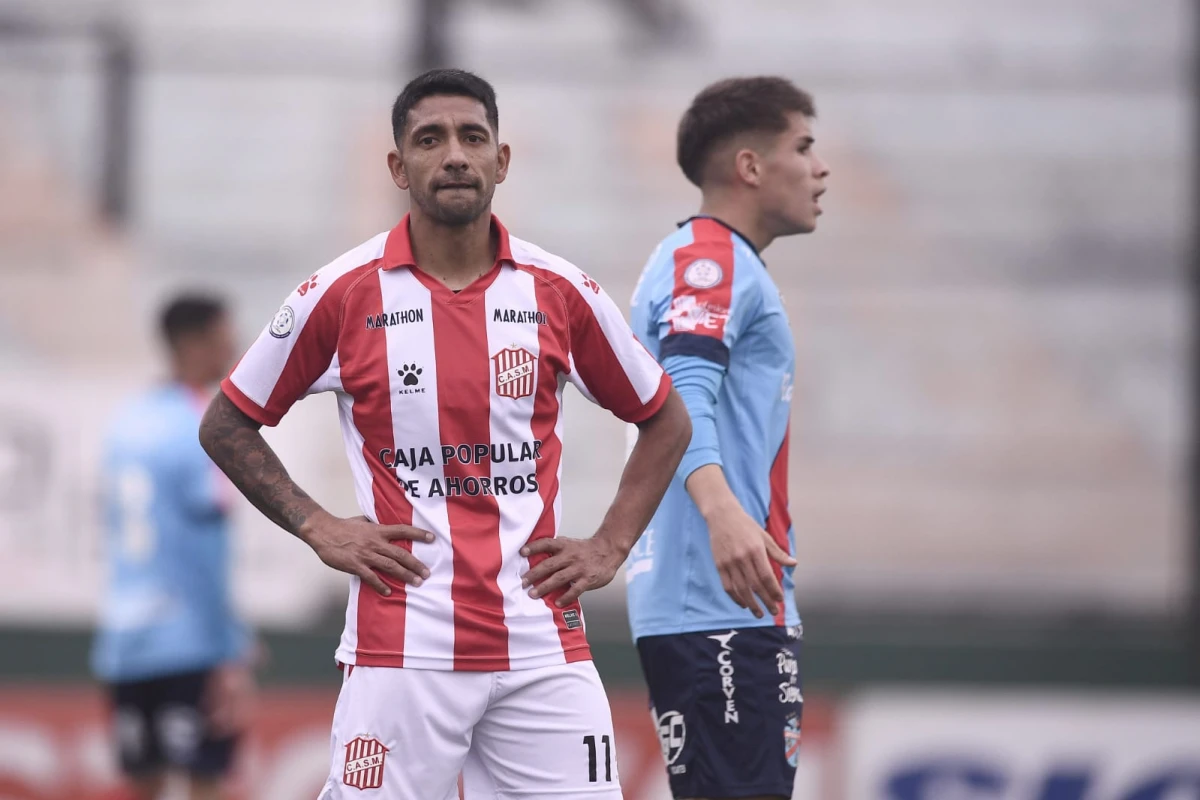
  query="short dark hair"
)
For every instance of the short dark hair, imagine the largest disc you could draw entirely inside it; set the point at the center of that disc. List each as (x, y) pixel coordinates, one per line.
(452, 82)
(189, 314)
(731, 107)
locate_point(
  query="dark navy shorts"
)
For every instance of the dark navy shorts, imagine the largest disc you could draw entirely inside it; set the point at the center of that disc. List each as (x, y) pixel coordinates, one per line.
(727, 704)
(159, 723)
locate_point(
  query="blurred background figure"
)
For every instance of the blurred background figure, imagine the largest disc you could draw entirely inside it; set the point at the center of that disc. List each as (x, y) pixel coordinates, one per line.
(169, 647)
(991, 423)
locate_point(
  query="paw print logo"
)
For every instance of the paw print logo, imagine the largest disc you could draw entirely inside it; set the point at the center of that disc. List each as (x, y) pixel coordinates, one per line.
(409, 373)
(591, 284)
(311, 283)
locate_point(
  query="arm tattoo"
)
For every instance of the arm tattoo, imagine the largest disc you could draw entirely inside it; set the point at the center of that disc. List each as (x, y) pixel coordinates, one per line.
(232, 440)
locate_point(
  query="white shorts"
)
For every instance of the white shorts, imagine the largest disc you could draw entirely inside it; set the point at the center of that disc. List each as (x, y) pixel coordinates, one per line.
(407, 734)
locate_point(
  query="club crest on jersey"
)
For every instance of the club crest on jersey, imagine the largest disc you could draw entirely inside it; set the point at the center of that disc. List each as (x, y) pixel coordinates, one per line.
(515, 369)
(364, 763)
(282, 324)
(703, 274)
(791, 740)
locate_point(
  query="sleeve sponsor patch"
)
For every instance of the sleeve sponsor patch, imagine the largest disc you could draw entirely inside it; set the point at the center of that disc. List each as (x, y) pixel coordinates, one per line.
(689, 315)
(703, 274)
(282, 324)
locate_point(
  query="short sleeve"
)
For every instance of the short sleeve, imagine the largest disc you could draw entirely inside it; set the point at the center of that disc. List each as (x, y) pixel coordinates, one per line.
(711, 303)
(608, 364)
(293, 351)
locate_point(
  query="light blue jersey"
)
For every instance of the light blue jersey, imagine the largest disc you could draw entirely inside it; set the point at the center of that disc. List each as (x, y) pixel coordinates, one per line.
(707, 309)
(167, 608)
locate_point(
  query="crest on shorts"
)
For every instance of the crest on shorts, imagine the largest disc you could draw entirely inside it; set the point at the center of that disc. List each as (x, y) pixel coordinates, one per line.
(791, 739)
(515, 369)
(672, 733)
(364, 763)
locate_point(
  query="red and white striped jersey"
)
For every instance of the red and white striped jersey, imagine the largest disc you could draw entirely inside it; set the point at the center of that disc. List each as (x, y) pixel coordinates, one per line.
(451, 411)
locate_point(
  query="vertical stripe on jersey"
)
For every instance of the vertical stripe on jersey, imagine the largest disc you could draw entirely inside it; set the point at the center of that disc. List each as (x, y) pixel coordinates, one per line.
(779, 518)
(464, 387)
(547, 426)
(712, 241)
(514, 408)
(363, 355)
(364, 492)
(430, 635)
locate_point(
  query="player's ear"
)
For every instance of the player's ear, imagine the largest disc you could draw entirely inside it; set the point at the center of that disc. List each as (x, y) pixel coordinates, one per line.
(503, 157)
(748, 166)
(396, 167)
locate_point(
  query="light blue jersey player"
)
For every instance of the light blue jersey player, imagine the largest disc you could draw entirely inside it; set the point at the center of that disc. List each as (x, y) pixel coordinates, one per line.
(167, 606)
(169, 646)
(723, 675)
(704, 296)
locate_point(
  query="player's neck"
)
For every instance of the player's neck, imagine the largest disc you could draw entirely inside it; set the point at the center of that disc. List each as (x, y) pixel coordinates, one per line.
(456, 255)
(739, 215)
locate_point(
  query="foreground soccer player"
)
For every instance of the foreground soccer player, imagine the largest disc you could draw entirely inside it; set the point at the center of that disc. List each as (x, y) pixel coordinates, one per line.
(724, 678)
(174, 656)
(448, 343)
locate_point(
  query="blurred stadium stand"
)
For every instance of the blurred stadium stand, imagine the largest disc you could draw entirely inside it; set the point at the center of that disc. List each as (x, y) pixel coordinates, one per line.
(993, 417)
(992, 423)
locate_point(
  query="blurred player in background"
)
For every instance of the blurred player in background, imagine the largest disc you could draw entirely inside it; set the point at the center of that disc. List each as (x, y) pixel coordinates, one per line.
(724, 676)
(172, 653)
(448, 343)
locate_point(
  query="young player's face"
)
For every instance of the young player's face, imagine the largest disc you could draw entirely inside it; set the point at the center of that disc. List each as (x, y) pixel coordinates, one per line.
(793, 180)
(450, 160)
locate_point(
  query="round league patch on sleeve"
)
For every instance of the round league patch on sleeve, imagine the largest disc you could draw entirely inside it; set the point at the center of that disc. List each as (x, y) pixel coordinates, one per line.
(282, 324)
(703, 274)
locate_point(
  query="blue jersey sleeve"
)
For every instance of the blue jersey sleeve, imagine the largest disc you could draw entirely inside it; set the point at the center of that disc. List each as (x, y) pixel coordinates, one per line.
(697, 380)
(712, 301)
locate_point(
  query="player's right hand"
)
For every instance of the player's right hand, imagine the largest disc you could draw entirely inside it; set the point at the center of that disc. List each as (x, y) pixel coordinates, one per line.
(364, 548)
(743, 552)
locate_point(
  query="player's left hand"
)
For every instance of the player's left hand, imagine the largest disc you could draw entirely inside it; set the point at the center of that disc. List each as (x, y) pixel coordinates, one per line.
(578, 565)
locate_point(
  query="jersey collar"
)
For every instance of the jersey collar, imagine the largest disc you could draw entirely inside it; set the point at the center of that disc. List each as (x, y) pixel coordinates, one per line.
(397, 252)
(732, 230)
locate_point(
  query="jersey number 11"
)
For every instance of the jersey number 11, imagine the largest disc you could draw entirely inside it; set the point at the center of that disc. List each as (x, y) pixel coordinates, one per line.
(590, 741)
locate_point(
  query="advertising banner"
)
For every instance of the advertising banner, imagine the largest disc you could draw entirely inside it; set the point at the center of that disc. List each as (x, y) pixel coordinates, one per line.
(905, 745)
